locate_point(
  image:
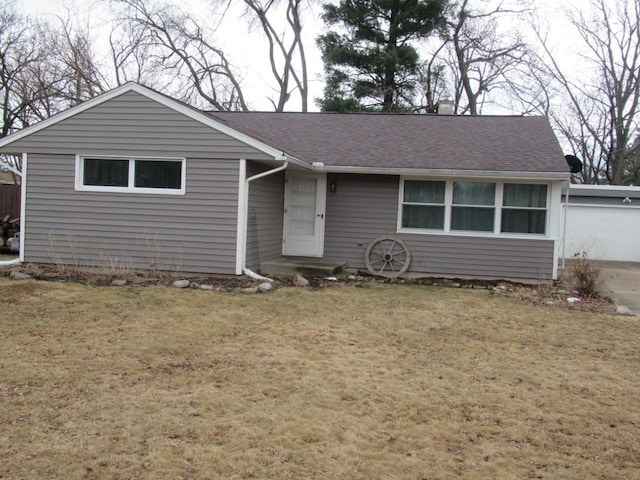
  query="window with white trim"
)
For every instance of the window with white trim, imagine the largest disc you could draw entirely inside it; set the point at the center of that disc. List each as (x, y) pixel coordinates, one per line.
(135, 175)
(524, 208)
(473, 206)
(423, 204)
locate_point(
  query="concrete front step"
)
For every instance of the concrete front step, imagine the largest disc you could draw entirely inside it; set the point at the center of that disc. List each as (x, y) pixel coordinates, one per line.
(309, 266)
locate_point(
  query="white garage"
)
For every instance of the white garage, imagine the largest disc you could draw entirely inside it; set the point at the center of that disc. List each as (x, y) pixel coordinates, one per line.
(601, 221)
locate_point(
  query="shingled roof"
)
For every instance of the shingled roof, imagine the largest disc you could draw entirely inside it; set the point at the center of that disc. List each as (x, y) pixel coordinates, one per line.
(438, 142)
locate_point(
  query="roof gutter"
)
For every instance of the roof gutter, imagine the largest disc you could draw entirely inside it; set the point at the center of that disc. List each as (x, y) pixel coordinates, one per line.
(294, 161)
(440, 172)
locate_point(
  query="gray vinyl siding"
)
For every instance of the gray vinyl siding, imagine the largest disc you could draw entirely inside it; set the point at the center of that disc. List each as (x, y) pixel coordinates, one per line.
(133, 125)
(195, 232)
(366, 206)
(264, 223)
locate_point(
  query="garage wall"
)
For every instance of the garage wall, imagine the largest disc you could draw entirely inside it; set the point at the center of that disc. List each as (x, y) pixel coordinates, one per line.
(603, 222)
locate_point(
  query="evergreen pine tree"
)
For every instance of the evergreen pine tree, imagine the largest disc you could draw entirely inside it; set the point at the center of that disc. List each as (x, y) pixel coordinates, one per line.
(372, 65)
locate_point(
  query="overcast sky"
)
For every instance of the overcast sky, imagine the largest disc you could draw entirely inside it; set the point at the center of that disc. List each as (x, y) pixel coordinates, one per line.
(246, 49)
(243, 45)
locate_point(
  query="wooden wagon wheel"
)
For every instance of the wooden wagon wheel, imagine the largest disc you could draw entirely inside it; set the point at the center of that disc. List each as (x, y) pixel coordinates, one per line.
(387, 256)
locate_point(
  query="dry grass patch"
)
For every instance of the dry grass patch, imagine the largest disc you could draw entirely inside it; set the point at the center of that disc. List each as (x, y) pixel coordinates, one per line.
(389, 381)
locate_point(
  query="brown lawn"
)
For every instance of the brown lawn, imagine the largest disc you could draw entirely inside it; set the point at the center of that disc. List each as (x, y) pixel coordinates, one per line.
(387, 381)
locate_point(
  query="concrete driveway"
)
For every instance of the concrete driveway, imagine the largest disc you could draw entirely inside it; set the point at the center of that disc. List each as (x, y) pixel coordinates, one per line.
(623, 280)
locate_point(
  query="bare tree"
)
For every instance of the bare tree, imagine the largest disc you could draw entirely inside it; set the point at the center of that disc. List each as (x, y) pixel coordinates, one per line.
(433, 83)
(481, 57)
(17, 54)
(286, 55)
(479, 54)
(20, 56)
(43, 70)
(184, 53)
(129, 55)
(603, 114)
(632, 164)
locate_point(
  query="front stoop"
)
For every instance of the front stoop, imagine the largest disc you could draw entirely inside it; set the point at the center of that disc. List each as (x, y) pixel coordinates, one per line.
(308, 266)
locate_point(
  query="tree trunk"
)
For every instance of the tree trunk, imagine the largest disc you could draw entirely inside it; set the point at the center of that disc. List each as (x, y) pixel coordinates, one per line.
(390, 61)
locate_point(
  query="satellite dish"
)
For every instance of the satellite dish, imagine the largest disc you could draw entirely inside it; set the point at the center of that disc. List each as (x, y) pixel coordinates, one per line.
(574, 162)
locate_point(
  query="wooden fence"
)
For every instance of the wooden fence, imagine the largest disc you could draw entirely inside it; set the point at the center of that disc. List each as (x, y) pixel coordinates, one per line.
(9, 200)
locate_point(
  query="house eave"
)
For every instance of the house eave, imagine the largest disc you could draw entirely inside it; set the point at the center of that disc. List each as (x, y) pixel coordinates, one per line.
(433, 172)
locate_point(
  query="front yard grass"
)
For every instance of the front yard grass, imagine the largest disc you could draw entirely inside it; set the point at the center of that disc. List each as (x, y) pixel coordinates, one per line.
(387, 381)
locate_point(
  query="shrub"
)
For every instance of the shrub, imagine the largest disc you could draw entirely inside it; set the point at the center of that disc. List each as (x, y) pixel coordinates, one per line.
(586, 278)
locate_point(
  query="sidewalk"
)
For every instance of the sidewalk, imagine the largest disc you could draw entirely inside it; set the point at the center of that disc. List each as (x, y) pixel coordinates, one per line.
(623, 280)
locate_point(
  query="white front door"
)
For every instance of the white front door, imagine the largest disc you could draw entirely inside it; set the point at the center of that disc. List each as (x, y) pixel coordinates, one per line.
(304, 204)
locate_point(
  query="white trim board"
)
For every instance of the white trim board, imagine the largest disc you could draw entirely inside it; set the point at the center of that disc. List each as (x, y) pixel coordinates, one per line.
(23, 205)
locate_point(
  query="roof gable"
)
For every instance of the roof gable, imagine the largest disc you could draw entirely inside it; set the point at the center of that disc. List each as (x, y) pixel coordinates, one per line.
(175, 105)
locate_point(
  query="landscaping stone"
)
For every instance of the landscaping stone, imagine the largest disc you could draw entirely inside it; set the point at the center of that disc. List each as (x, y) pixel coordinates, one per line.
(624, 310)
(250, 290)
(206, 287)
(118, 282)
(20, 276)
(265, 287)
(300, 281)
(181, 283)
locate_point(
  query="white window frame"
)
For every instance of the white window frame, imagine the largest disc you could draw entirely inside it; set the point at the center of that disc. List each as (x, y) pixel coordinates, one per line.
(447, 212)
(535, 209)
(497, 209)
(450, 205)
(131, 188)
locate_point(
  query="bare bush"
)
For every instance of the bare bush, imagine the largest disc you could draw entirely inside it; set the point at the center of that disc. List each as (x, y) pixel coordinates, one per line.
(586, 277)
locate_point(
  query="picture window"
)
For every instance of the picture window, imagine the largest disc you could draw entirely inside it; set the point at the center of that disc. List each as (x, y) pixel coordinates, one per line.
(131, 175)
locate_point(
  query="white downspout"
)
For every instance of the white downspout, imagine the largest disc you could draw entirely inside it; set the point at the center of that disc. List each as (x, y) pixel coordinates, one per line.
(6, 263)
(23, 205)
(267, 173)
(564, 223)
(245, 215)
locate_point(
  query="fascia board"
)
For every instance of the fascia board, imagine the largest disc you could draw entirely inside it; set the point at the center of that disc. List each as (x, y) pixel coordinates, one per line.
(445, 172)
(604, 190)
